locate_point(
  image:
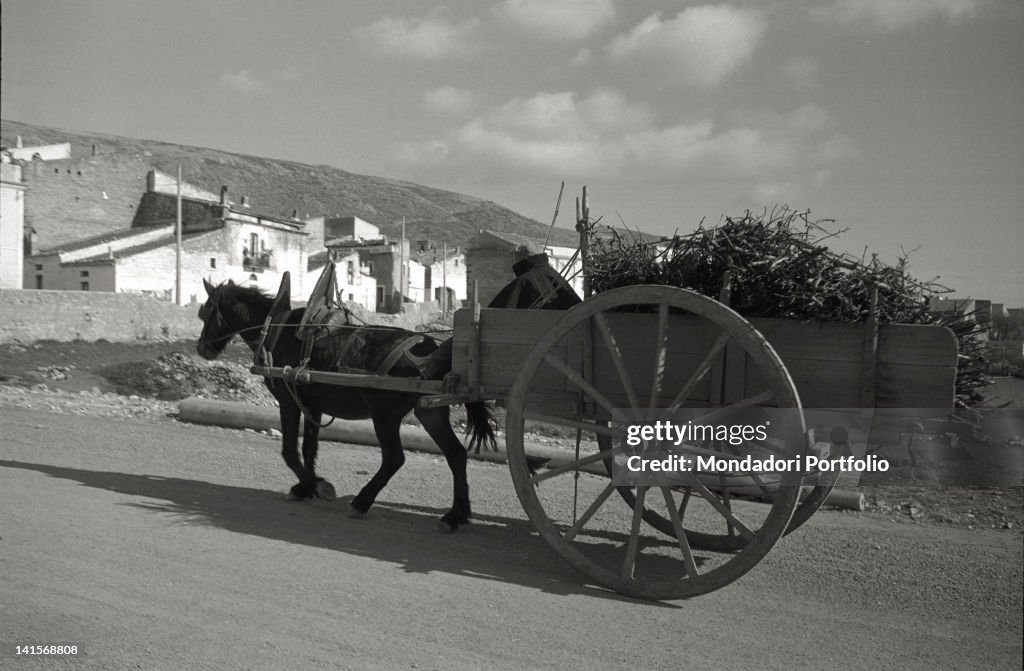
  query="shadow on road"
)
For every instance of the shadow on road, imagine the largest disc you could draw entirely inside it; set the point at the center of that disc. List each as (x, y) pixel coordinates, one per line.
(493, 548)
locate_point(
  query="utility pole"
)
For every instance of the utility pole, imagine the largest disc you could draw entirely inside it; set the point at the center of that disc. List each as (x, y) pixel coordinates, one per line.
(401, 281)
(444, 280)
(177, 244)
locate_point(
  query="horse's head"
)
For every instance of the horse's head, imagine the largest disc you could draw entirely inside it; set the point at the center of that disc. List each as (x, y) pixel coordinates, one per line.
(220, 323)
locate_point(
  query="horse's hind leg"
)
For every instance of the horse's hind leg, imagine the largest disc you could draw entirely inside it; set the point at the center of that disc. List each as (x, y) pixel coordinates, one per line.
(310, 443)
(436, 423)
(386, 425)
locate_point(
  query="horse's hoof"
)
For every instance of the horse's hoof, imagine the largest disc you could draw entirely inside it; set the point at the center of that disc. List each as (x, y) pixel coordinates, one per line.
(451, 522)
(325, 490)
(356, 513)
(298, 493)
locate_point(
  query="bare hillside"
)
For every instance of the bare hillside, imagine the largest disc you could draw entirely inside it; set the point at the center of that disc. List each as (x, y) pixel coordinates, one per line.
(273, 186)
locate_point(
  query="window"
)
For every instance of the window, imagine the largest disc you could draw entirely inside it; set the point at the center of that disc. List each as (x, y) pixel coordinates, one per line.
(254, 243)
(39, 266)
(351, 297)
(39, 281)
(85, 286)
(213, 262)
(83, 273)
(456, 263)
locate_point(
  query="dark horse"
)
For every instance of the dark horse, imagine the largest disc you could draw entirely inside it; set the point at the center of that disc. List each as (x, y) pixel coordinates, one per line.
(232, 309)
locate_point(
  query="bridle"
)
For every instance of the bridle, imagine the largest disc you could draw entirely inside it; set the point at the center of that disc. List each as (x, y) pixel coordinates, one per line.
(208, 315)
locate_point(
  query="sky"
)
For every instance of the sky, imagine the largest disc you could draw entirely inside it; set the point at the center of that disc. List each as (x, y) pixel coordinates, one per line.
(901, 120)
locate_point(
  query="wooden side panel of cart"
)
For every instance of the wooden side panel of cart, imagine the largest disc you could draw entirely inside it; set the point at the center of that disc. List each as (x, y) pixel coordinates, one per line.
(914, 366)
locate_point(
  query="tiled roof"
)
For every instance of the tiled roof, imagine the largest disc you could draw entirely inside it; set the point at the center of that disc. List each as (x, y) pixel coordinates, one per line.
(136, 249)
(101, 239)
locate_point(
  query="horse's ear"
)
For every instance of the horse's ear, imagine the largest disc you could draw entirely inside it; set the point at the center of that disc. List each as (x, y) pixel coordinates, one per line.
(209, 287)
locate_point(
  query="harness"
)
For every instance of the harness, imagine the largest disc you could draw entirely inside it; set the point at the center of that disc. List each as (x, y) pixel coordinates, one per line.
(324, 315)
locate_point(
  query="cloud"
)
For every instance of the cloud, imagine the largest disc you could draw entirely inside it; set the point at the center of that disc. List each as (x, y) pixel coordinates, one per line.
(893, 15)
(701, 45)
(416, 154)
(431, 38)
(244, 82)
(606, 135)
(802, 73)
(450, 100)
(558, 19)
(582, 58)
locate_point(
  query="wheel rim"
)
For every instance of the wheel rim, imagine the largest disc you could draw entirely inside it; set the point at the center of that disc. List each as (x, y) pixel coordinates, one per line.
(615, 563)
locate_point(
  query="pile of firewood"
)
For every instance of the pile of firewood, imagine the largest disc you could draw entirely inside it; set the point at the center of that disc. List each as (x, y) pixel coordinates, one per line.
(778, 265)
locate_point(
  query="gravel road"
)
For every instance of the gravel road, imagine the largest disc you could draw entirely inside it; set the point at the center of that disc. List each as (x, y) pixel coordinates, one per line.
(158, 545)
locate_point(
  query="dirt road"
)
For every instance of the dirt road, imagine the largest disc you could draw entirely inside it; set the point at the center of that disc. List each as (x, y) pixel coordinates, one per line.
(156, 545)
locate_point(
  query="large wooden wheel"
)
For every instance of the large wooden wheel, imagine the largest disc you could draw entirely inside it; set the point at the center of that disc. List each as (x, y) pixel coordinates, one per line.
(643, 365)
(816, 490)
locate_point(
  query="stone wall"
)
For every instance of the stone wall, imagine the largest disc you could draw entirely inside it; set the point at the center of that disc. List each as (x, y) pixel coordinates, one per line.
(72, 199)
(28, 315)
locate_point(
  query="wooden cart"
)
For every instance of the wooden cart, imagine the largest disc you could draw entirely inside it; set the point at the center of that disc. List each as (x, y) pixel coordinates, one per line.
(634, 351)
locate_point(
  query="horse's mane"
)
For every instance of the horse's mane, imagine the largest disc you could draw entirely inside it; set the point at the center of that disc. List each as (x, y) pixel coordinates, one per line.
(243, 294)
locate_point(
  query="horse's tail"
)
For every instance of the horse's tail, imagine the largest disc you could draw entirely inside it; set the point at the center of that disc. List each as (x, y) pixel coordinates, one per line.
(480, 426)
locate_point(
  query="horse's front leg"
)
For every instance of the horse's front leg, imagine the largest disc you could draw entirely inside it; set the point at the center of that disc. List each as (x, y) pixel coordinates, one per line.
(310, 443)
(290, 416)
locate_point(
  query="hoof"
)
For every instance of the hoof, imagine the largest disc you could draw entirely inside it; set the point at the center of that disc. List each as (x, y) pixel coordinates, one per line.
(299, 493)
(356, 513)
(325, 490)
(450, 523)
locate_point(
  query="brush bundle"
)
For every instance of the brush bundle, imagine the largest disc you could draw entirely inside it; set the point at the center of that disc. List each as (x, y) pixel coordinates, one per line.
(779, 266)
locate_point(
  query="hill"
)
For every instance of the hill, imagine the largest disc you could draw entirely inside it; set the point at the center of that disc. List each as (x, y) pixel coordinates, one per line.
(102, 182)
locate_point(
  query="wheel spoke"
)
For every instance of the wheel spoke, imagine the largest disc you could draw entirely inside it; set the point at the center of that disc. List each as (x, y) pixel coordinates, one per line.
(660, 359)
(582, 384)
(577, 464)
(620, 366)
(677, 525)
(700, 372)
(721, 413)
(724, 511)
(765, 489)
(588, 513)
(634, 534)
(600, 429)
(774, 446)
(727, 502)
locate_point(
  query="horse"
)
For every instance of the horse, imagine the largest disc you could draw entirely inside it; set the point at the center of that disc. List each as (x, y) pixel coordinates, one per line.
(232, 309)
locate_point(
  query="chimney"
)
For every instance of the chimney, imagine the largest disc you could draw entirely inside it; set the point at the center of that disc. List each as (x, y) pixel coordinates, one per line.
(295, 214)
(224, 195)
(245, 201)
(94, 149)
(110, 252)
(19, 145)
